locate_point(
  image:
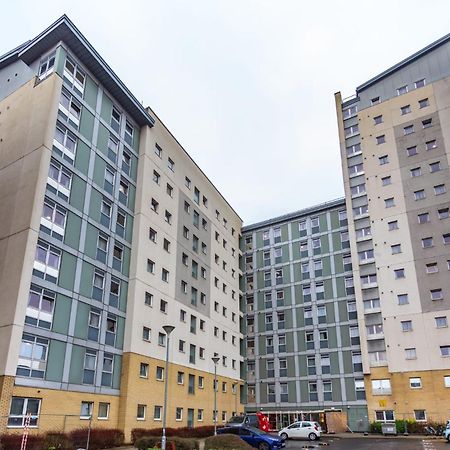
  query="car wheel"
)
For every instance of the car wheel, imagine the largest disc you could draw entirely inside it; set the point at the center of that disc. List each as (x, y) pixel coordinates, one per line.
(312, 436)
(448, 438)
(263, 446)
(284, 436)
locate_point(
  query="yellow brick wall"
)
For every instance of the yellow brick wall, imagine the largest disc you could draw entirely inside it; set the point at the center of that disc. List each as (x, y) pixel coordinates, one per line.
(136, 390)
(433, 396)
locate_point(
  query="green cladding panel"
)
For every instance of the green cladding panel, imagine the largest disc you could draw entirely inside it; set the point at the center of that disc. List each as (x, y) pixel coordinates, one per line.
(337, 245)
(325, 245)
(60, 60)
(77, 193)
(350, 389)
(340, 287)
(304, 393)
(76, 365)
(117, 371)
(338, 263)
(347, 359)
(334, 362)
(55, 360)
(87, 275)
(95, 205)
(303, 365)
(82, 157)
(120, 332)
(131, 197)
(73, 230)
(90, 92)
(336, 389)
(328, 286)
(330, 312)
(123, 296)
(87, 124)
(263, 392)
(290, 342)
(295, 231)
(332, 338)
(102, 139)
(292, 394)
(133, 169)
(326, 270)
(334, 219)
(81, 321)
(126, 261)
(66, 276)
(99, 171)
(323, 222)
(136, 139)
(129, 228)
(284, 233)
(91, 241)
(262, 342)
(61, 315)
(345, 336)
(106, 109)
(262, 368)
(291, 366)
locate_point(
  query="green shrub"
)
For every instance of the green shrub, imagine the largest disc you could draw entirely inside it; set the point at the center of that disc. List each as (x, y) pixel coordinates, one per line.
(195, 432)
(58, 441)
(225, 442)
(146, 442)
(375, 427)
(100, 438)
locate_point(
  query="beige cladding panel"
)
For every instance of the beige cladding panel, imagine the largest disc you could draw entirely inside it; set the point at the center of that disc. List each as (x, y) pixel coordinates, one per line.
(27, 122)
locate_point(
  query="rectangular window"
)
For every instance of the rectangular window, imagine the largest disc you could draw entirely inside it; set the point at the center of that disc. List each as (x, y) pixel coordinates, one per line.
(423, 218)
(32, 356)
(406, 325)
(378, 119)
(90, 364)
(427, 123)
(46, 262)
(440, 189)
(141, 412)
(384, 416)
(402, 299)
(157, 412)
(419, 83)
(427, 242)
(380, 139)
(146, 334)
(143, 370)
(46, 66)
(405, 109)
(160, 373)
(39, 312)
(435, 167)
(411, 151)
(389, 202)
(441, 322)
(424, 103)
(430, 145)
(383, 160)
(402, 90)
(410, 353)
(64, 143)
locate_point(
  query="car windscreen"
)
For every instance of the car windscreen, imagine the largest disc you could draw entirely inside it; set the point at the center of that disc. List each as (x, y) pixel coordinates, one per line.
(236, 419)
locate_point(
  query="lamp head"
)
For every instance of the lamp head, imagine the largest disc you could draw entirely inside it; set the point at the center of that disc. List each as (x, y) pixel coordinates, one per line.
(168, 329)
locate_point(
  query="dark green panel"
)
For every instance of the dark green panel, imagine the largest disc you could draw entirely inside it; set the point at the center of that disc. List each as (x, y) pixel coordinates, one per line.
(340, 287)
(263, 392)
(345, 336)
(87, 275)
(77, 193)
(330, 312)
(304, 395)
(338, 264)
(350, 389)
(301, 341)
(102, 139)
(260, 301)
(300, 317)
(262, 368)
(81, 321)
(326, 270)
(134, 164)
(61, 315)
(99, 171)
(286, 275)
(82, 157)
(259, 259)
(292, 392)
(325, 244)
(129, 228)
(334, 361)
(55, 360)
(295, 233)
(67, 271)
(261, 322)
(347, 360)
(126, 261)
(284, 233)
(328, 286)
(291, 366)
(261, 342)
(106, 109)
(76, 365)
(287, 296)
(298, 294)
(285, 253)
(303, 366)
(123, 296)
(120, 332)
(259, 239)
(297, 272)
(332, 339)
(260, 279)
(136, 139)
(343, 313)
(87, 124)
(131, 197)
(337, 241)
(90, 92)
(336, 387)
(95, 205)
(117, 371)
(334, 219)
(295, 250)
(323, 222)
(290, 341)
(60, 60)
(90, 246)
(73, 230)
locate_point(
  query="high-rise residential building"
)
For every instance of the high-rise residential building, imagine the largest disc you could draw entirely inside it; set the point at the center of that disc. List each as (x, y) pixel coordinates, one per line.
(303, 357)
(108, 231)
(394, 135)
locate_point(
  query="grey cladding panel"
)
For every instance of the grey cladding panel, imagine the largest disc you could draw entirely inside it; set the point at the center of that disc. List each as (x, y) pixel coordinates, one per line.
(14, 76)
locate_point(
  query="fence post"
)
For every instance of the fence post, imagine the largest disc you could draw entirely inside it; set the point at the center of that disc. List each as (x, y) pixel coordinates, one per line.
(89, 432)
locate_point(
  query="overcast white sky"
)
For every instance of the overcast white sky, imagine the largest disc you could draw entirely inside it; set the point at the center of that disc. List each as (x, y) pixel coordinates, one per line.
(247, 86)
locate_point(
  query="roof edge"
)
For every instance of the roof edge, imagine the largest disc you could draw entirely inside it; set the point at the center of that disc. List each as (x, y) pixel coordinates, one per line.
(404, 62)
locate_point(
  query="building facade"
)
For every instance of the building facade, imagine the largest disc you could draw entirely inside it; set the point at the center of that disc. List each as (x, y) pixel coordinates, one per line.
(394, 138)
(108, 231)
(303, 357)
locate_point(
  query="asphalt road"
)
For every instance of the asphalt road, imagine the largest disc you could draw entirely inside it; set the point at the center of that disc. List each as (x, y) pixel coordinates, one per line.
(369, 443)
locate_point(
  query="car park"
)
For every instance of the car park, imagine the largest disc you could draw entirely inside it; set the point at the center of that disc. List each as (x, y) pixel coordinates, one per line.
(254, 437)
(303, 429)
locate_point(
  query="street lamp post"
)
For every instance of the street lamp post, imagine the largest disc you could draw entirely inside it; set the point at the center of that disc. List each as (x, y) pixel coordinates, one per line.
(215, 361)
(168, 329)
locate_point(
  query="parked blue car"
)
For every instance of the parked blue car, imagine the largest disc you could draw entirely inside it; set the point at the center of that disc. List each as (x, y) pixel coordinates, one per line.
(255, 437)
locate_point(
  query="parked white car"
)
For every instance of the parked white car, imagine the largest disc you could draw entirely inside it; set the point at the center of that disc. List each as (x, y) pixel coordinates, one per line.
(301, 430)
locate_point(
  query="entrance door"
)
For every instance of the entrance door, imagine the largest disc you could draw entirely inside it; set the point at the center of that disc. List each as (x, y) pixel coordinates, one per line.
(190, 418)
